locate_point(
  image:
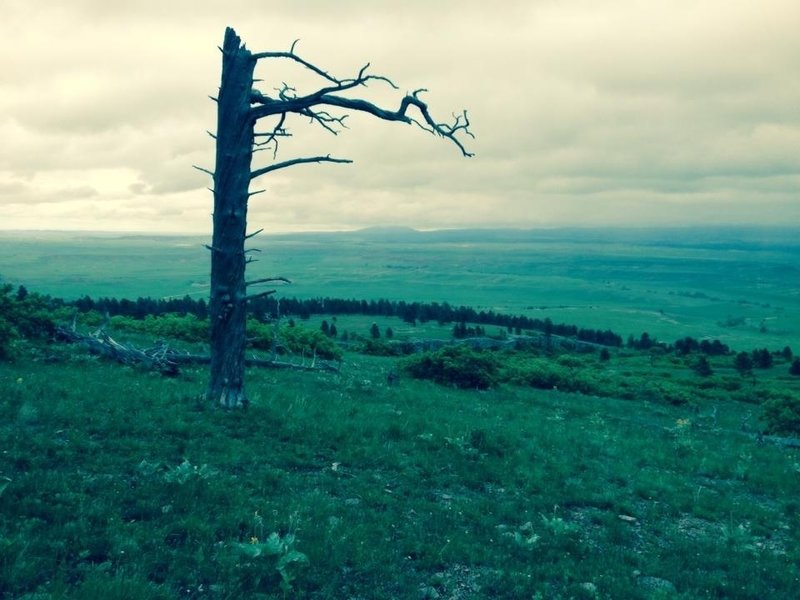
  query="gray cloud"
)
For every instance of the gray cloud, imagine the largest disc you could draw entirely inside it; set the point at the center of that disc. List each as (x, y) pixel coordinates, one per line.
(27, 193)
(586, 112)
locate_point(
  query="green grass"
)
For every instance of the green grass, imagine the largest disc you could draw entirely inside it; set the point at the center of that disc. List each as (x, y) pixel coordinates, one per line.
(123, 484)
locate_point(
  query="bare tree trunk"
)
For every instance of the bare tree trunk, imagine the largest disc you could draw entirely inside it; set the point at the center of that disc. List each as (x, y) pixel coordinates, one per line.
(239, 108)
(234, 148)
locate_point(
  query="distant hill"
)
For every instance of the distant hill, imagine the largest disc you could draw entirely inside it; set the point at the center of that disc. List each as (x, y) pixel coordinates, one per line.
(716, 237)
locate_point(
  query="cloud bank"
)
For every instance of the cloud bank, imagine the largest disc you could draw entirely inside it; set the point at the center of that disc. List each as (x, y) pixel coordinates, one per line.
(612, 112)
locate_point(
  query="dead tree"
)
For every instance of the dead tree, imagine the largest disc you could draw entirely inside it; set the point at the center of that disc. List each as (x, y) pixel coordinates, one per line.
(239, 108)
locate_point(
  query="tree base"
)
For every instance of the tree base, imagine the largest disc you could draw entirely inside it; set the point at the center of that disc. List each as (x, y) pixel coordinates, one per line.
(228, 398)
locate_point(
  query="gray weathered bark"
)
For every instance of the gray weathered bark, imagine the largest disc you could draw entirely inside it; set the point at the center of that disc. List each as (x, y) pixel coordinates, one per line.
(228, 303)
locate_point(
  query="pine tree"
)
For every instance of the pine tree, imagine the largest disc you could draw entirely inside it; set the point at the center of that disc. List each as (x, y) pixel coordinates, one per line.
(743, 363)
(702, 367)
(795, 368)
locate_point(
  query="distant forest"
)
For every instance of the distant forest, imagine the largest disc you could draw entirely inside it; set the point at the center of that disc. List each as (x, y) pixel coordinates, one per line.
(269, 307)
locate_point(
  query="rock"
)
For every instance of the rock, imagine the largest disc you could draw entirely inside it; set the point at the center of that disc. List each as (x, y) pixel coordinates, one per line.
(589, 587)
(656, 584)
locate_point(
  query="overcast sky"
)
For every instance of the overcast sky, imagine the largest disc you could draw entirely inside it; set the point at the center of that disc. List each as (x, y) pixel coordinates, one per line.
(595, 112)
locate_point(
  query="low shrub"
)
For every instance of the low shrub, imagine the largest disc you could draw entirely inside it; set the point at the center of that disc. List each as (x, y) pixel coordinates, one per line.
(459, 366)
(567, 373)
(665, 393)
(781, 415)
(377, 347)
(23, 316)
(301, 340)
(187, 328)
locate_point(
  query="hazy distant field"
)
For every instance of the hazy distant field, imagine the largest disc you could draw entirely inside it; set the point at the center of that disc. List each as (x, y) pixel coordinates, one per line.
(742, 286)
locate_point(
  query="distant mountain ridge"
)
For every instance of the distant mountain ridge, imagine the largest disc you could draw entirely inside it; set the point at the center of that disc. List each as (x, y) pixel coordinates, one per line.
(716, 237)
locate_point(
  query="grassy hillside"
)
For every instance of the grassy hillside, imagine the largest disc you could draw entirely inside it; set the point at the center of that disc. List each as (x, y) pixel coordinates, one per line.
(631, 474)
(120, 483)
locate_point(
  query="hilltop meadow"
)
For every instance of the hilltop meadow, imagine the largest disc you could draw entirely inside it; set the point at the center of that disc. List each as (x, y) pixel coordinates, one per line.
(435, 457)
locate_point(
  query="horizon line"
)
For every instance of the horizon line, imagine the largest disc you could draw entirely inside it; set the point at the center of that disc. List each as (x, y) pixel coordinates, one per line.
(403, 228)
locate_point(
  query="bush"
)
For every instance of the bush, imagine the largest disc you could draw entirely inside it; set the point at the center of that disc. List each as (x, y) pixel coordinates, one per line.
(378, 347)
(702, 367)
(169, 326)
(301, 340)
(538, 373)
(782, 415)
(23, 315)
(665, 393)
(456, 365)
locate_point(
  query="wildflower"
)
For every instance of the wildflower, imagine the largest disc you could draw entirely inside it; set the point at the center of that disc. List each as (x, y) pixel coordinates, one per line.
(681, 423)
(253, 540)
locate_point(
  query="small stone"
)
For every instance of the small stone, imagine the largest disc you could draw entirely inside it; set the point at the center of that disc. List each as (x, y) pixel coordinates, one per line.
(429, 593)
(589, 587)
(656, 584)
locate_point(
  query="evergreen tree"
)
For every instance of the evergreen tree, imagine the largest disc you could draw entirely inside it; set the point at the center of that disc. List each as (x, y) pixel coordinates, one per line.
(743, 363)
(645, 342)
(375, 331)
(702, 367)
(762, 358)
(795, 368)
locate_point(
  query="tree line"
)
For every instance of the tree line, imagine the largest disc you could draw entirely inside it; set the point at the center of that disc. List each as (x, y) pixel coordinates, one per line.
(33, 315)
(269, 307)
(683, 346)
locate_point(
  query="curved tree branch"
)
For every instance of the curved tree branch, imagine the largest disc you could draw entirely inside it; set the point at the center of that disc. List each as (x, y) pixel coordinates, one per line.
(287, 101)
(296, 161)
(267, 280)
(291, 55)
(445, 130)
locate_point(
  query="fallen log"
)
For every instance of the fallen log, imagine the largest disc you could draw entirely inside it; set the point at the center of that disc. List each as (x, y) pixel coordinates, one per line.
(203, 359)
(165, 359)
